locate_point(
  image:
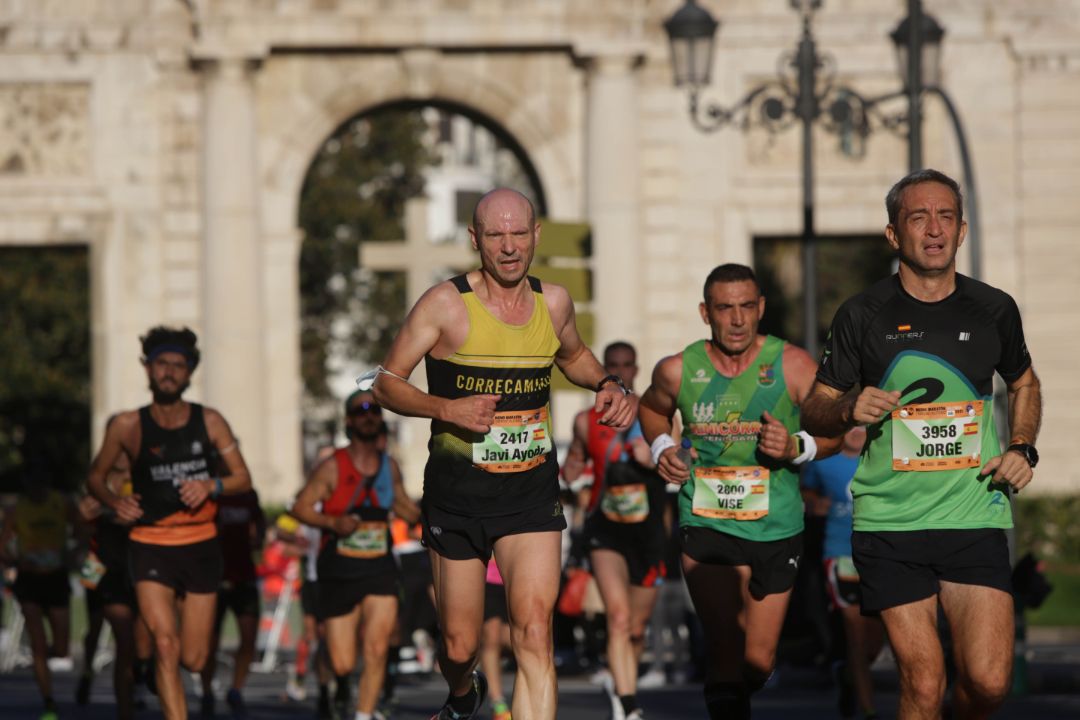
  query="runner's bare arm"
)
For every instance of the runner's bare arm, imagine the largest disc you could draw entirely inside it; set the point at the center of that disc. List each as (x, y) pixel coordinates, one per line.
(90, 507)
(127, 509)
(1025, 419)
(775, 441)
(639, 450)
(404, 506)
(81, 530)
(574, 464)
(657, 411)
(238, 480)
(318, 488)
(581, 367)
(426, 328)
(258, 523)
(831, 412)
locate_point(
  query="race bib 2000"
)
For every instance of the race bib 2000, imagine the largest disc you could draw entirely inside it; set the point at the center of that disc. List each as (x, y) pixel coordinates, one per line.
(734, 493)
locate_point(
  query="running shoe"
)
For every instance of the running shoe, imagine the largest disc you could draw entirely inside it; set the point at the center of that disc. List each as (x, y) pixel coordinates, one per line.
(82, 690)
(655, 678)
(206, 706)
(480, 686)
(236, 704)
(50, 711)
(614, 703)
(151, 676)
(343, 705)
(323, 711)
(295, 690)
(500, 710)
(845, 689)
(60, 663)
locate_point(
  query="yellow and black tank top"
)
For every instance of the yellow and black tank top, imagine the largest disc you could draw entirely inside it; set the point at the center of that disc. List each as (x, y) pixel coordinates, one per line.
(41, 532)
(511, 468)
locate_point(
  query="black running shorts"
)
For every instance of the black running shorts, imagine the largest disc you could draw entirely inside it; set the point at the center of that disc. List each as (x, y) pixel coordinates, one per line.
(114, 588)
(642, 545)
(46, 590)
(340, 597)
(896, 568)
(459, 537)
(773, 564)
(309, 597)
(194, 568)
(241, 598)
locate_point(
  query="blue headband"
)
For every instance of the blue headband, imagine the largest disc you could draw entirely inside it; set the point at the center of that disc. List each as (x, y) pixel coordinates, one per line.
(185, 351)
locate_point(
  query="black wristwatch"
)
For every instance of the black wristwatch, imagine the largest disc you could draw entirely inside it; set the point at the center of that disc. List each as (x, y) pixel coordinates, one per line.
(612, 379)
(1028, 451)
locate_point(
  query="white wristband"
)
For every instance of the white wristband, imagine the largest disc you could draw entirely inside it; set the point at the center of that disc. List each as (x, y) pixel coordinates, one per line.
(809, 448)
(659, 445)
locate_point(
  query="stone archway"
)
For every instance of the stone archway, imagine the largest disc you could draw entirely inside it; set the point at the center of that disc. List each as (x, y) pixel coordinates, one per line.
(302, 99)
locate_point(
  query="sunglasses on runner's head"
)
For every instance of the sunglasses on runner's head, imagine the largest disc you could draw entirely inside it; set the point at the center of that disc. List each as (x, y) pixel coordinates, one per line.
(364, 408)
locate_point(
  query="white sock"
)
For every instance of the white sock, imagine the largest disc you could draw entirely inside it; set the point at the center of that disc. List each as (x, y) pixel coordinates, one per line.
(362, 716)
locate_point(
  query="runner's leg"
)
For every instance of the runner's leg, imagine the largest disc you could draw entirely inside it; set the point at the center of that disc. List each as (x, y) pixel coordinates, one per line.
(378, 614)
(39, 647)
(459, 602)
(120, 617)
(157, 606)
(613, 580)
(530, 566)
(981, 621)
(715, 592)
(912, 631)
(341, 633)
(197, 618)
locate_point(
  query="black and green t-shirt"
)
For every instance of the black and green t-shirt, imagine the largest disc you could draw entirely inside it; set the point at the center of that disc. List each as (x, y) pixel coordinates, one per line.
(734, 488)
(920, 467)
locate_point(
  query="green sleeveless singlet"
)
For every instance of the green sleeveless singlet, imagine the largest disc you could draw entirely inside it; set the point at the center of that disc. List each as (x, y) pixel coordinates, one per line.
(733, 488)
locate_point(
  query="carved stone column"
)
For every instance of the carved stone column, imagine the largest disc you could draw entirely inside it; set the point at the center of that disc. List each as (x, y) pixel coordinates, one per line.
(612, 189)
(234, 339)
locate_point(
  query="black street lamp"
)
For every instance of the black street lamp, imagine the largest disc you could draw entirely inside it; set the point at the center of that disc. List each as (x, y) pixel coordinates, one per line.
(918, 53)
(806, 91)
(925, 64)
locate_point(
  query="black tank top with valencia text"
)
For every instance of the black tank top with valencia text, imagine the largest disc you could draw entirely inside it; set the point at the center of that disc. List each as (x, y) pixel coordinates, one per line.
(166, 459)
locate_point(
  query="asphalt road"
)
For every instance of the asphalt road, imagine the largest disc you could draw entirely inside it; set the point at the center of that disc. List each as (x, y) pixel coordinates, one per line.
(802, 693)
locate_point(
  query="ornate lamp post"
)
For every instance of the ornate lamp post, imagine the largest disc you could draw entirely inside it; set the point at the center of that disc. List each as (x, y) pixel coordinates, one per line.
(925, 65)
(805, 91)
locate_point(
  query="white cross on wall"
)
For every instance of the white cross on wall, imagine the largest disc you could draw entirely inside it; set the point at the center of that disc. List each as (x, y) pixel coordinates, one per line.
(417, 255)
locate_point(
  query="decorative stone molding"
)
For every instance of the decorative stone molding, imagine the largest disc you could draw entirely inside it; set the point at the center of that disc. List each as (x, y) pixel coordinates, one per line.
(44, 129)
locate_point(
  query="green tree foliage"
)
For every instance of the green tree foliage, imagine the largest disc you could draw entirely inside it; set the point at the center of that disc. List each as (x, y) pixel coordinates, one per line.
(1047, 527)
(354, 192)
(45, 364)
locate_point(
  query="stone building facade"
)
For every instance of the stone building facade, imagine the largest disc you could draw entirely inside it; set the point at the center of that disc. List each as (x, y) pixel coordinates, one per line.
(171, 137)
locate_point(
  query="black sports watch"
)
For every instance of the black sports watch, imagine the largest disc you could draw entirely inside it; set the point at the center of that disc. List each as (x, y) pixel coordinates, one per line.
(1028, 451)
(612, 379)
